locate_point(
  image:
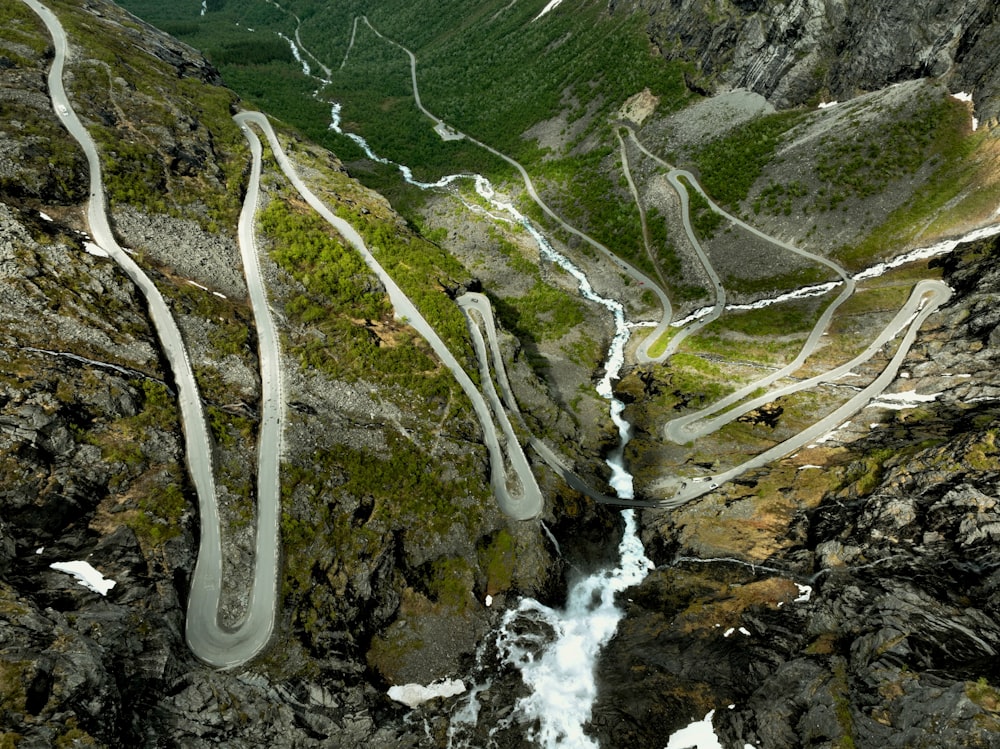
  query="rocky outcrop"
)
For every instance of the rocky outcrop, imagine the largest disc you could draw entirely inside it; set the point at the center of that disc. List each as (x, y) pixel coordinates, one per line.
(800, 50)
(896, 641)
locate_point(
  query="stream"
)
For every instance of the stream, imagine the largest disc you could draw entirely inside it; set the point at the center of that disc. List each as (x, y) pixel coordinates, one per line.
(555, 650)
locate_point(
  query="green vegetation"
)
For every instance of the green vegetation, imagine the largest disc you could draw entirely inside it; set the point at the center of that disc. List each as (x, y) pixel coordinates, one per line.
(730, 165)
(777, 320)
(953, 192)
(840, 691)
(155, 96)
(712, 339)
(544, 313)
(867, 472)
(496, 558)
(803, 276)
(692, 383)
(662, 342)
(669, 260)
(704, 220)
(421, 269)
(864, 161)
(345, 499)
(539, 79)
(983, 694)
(343, 304)
(21, 26)
(334, 275)
(160, 510)
(448, 583)
(778, 197)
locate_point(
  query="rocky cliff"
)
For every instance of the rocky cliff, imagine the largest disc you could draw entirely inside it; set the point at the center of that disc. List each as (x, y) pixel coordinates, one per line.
(847, 601)
(819, 50)
(895, 641)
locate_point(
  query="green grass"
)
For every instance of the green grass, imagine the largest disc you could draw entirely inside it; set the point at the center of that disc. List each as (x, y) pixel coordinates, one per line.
(468, 55)
(136, 171)
(776, 320)
(544, 313)
(704, 220)
(803, 276)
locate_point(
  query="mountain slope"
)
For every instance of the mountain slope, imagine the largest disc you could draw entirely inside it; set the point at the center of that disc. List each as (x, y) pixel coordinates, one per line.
(92, 467)
(392, 541)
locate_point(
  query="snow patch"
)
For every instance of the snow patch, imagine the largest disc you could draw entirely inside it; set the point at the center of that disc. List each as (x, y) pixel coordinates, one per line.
(553, 4)
(44, 215)
(86, 574)
(805, 593)
(830, 435)
(827, 104)
(906, 399)
(412, 695)
(95, 249)
(697, 735)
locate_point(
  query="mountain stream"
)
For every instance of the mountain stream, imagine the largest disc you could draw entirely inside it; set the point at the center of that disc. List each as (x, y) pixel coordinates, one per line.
(555, 650)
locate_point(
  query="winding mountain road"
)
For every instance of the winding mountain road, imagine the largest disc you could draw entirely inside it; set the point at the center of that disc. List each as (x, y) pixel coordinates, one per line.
(219, 646)
(634, 273)
(926, 298)
(522, 503)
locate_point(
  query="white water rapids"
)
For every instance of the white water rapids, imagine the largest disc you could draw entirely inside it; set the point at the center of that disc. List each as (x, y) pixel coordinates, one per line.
(556, 650)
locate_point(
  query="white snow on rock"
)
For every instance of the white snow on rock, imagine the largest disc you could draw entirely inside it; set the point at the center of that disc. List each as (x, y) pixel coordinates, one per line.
(805, 593)
(830, 435)
(95, 249)
(86, 574)
(698, 735)
(551, 6)
(906, 399)
(828, 104)
(412, 695)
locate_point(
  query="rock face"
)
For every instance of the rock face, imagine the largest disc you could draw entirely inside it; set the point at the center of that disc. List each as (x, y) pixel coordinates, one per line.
(897, 642)
(795, 51)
